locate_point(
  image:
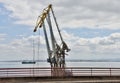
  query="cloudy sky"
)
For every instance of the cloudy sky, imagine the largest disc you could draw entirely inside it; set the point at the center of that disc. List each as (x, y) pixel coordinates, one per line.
(91, 28)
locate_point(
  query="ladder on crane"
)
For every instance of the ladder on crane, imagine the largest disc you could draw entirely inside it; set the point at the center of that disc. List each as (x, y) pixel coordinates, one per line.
(56, 53)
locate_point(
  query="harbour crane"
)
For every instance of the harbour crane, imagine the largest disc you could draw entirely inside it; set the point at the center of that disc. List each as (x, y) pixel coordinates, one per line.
(56, 53)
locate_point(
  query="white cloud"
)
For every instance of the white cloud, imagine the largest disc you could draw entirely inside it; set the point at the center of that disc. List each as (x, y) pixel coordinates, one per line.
(20, 49)
(24, 11)
(71, 14)
(79, 13)
(86, 48)
(99, 46)
(2, 37)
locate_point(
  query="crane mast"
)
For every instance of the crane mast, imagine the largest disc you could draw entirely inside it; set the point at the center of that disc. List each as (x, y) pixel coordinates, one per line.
(56, 55)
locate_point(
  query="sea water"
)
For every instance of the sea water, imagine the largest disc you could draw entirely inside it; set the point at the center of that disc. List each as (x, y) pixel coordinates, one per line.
(68, 64)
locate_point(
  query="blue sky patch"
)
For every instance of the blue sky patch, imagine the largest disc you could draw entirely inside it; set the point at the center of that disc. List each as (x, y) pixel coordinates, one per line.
(91, 33)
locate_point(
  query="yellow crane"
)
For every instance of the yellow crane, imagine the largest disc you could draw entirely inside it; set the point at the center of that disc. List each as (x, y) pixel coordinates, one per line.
(56, 55)
(42, 17)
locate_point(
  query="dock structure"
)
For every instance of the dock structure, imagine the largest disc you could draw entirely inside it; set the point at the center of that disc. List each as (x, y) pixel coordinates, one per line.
(43, 74)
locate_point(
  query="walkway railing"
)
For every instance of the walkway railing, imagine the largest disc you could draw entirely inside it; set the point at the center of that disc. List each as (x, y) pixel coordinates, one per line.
(46, 72)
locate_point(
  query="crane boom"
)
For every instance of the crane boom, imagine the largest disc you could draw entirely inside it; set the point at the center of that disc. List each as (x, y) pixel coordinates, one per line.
(42, 17)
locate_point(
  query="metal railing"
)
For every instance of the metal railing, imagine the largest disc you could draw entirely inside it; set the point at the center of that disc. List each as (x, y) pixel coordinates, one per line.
(46, 72)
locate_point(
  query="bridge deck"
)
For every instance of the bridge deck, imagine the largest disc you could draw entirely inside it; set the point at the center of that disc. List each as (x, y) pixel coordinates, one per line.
(75, 74)
(46, 72)
(78, 79)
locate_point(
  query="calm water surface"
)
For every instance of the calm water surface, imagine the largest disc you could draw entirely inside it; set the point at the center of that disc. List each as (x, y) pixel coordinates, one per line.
(68, 64)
